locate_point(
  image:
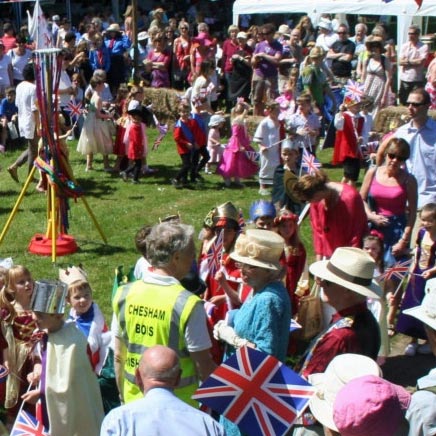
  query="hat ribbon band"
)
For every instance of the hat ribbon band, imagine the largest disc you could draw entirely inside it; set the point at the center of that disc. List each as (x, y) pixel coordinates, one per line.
(348, 277)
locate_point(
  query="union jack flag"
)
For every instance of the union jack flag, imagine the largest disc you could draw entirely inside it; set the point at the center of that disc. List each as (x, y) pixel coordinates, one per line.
(75, 108)
(354, 90)
(215, 254)
(254, 156)
(369, 148)
(398, 270)
(257, 392)
(309, 163)
(28, 425)
(3, 373)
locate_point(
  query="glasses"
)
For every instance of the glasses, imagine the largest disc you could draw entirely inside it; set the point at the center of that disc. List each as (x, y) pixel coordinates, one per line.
(341, 33)
(412, 33)
(245, 266)
(414, 104)
(393, 156)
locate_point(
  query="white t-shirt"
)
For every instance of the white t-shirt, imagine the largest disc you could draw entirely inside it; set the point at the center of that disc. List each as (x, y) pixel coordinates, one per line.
(18, 62)
(25, 101)
(64, 83)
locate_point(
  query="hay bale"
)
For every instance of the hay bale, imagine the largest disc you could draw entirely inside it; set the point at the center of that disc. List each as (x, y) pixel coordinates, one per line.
(165, 103)
(393, 117)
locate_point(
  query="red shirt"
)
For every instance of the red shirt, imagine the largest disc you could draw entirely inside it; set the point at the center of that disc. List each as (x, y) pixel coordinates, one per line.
(229, 49)
(362, 338)
(343, 225)
(182, 131)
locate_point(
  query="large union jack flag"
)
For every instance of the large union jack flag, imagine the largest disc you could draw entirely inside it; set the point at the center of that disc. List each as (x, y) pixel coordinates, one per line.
(257, 392)
(398, 270)
(28, 425)
(309, 163)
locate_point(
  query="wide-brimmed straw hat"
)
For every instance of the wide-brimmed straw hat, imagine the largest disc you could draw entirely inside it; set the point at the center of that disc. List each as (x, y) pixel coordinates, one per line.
(114, 27)
(339, 372)
(372, 40)
(261, 248)
(351, 268)
(316, 52)
(72, 274)
(426, 312)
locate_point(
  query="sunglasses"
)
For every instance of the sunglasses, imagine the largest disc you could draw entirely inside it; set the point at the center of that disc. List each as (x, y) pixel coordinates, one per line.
(393, 156)
(412, 33)
(341, 33)
(414, 104)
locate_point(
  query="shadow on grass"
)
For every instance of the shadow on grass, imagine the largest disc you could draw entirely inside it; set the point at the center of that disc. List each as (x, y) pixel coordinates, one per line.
(99, 248)
(96, 188)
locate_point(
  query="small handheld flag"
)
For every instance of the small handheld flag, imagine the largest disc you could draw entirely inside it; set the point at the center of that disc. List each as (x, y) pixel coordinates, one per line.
(309, 163)
(398, 270)
(27, 425)
(75, 109)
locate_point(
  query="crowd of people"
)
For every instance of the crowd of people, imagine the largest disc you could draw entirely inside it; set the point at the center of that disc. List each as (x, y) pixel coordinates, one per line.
(182, 316)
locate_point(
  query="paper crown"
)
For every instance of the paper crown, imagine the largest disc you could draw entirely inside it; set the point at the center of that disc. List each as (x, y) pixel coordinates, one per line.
(72, 274)
(262, 208)
(49, 297)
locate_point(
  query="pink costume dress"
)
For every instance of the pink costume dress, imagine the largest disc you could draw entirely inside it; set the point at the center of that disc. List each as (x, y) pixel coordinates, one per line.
(236, 163)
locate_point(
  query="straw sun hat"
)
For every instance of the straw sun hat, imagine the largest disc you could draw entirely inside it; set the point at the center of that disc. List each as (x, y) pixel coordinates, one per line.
(351, 268)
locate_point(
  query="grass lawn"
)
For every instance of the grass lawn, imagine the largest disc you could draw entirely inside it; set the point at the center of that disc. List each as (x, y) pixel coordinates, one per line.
(120, 208)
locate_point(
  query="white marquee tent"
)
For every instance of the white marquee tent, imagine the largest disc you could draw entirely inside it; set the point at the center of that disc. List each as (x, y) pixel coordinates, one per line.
(405, 10)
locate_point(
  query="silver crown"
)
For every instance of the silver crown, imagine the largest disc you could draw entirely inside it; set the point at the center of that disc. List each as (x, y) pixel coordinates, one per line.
(49, 296)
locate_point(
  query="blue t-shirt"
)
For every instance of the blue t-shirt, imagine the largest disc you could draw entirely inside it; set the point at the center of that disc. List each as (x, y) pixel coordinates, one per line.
(7, 109)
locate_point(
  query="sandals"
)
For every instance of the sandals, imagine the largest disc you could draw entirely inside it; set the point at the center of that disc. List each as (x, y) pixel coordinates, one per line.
(391, 330)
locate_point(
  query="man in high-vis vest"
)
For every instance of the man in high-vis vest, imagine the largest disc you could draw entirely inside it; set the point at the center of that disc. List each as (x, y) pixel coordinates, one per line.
(157, 310)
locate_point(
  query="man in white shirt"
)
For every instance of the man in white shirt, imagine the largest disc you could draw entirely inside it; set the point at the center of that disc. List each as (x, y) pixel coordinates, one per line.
(413, 55)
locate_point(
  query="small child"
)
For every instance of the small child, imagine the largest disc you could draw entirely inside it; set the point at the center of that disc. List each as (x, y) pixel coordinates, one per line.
(262, 214)
(135, 138)
(88, 317)
(214, 141)
(67, 386)
(17, 327)
(424, 268)
(235, 163)
(188, 135)
(294, 254)
(142, 264)
(8, 113)
(373, 245)
(285, 177)
(268, 137)
(349, 127)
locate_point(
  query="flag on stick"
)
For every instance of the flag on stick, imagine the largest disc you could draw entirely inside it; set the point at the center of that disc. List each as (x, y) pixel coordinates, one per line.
(257, 392)
(309, 163)
(27, 425)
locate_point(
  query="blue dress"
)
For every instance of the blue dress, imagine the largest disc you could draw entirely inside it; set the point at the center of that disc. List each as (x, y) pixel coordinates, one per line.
(264, 320)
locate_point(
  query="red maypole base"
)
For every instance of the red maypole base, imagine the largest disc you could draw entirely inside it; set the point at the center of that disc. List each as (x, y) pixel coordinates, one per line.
(40, 244)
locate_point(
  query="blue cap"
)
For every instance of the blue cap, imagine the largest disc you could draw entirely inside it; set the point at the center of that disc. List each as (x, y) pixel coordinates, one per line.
(262, 208)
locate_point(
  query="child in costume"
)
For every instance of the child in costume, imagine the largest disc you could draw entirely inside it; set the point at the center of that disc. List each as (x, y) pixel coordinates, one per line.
(17, 327)
(349, 125)
(65, 383)
(214, 141)
(294, 257)
(188, 135)
(235, 163)
(90, 321)
(135, 138)
(423, 269)
(262, 214)
(267, 135)
(96, 136)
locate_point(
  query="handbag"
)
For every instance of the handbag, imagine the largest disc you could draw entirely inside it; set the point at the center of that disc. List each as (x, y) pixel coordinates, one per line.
(310, 314)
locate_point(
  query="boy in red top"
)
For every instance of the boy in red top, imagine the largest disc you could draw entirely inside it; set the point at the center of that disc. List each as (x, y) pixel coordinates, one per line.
(349, 126)
(188, 136)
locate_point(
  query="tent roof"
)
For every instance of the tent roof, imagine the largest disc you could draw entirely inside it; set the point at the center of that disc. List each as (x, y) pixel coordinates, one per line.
(362, 7)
